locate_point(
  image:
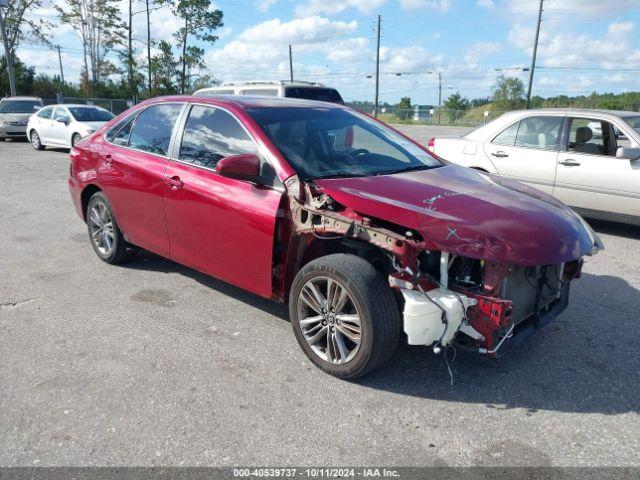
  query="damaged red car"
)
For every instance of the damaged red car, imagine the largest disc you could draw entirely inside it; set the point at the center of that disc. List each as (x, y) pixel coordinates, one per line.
(361, 230)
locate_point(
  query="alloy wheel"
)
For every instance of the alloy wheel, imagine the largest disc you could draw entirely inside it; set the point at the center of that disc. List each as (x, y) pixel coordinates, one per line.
(101, 228)
(35, 140)
(329, 320)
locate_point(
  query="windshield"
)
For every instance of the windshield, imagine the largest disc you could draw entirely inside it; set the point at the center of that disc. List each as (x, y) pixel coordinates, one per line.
(19, 106)
(84, 114)
(634, 122)
(331, 142)
(315, 93)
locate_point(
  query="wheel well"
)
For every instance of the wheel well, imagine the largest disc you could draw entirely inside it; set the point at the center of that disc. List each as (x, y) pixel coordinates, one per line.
(85, 196)
(320, 248)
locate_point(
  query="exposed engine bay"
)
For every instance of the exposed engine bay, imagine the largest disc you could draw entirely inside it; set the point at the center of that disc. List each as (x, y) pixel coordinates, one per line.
(446, 299)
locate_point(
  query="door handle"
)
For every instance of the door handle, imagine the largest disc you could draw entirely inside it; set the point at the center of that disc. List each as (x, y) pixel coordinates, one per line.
(500, 154)
(174, 182)
(570, 163)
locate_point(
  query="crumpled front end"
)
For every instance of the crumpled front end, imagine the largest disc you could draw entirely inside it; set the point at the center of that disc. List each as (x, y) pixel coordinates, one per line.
(468, 271)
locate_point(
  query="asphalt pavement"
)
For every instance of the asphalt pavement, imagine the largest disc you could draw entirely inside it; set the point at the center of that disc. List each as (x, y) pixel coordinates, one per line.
(151, 363)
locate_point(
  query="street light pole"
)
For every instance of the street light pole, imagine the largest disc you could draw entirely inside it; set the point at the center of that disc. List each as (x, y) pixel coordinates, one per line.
(7, 53)
(535, 53)
(375, 108)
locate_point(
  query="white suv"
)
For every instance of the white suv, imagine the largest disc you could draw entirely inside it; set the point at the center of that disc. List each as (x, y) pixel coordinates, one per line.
(297, 89)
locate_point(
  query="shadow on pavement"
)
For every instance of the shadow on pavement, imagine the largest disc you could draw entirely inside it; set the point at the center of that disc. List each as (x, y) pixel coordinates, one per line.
(586, 361)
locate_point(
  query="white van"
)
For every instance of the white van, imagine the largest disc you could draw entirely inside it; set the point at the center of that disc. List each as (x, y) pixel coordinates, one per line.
(297, 89)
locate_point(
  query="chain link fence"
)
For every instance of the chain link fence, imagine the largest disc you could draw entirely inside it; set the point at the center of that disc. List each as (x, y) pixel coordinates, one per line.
(114, 105)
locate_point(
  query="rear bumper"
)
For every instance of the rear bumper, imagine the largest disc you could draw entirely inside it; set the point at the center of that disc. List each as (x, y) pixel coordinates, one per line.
(75, 190)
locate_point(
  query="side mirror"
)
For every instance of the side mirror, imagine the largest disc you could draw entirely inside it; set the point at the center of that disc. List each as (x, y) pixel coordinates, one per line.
(246, 165)
(628, 153)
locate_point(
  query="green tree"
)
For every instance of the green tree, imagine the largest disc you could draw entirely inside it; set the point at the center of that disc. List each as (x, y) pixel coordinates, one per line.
(22, 26)
(164, 71)
(455, 106)
(403, 109)
(508, 93)
(24, 77)
(199, 22)
(98, 24)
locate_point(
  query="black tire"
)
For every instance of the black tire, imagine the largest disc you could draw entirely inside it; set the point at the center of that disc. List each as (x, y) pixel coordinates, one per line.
(36, 142)
(374, 302)
(120, 250)
(75, 138)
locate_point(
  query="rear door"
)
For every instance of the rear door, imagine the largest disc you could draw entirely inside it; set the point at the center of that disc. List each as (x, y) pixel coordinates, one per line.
(132, 170)
(590, 177)
(221, 226)
(527, 150)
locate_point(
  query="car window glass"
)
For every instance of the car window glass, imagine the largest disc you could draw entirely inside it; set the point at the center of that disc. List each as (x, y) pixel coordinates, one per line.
(45, 112)
(153, 127)
(269, 92)
(121, 135)
(591, 136)
(508, 136)
(315, 93)
(211, 134)
(61, 115)
(540, 132)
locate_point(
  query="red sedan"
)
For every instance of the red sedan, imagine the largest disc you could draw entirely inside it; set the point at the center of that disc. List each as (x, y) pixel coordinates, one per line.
(364, 232)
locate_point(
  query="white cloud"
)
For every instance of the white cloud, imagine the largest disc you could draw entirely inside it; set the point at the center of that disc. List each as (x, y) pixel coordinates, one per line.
(315, 7)
(481, 50)
(350, 50)
(572, 8)
(264, 5)
(408, 59)
(312, 29)
(486, 4)
(438, 5)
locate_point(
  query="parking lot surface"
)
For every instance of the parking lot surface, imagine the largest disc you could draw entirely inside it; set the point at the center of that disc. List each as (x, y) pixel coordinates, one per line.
(151, 363)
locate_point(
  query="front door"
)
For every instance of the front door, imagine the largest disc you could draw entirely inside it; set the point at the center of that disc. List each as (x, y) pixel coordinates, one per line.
(590, 177)
(132, 172)
(527, 151)
(218, 225)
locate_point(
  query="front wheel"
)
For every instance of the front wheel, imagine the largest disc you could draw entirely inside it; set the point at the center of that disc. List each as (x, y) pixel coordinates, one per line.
(35, 140)
(344, 315)
(104, 233)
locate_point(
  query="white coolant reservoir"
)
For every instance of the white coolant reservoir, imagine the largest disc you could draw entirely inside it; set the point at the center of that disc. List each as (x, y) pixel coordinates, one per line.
(423, 320)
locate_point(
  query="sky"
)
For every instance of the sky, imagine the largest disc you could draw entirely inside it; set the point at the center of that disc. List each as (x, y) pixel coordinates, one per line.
(585, 45)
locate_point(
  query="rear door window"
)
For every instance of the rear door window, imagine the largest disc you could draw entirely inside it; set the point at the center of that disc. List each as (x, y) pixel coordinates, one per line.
(508, 136)
(540, 132)
(153, 128)
(45, 112)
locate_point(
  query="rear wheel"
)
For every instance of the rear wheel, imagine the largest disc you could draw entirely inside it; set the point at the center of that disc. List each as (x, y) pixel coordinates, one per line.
(105, 235)
(35, 140)
(344, 315)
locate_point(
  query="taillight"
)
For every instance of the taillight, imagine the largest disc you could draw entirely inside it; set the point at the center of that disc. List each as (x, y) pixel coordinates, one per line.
(432, 144)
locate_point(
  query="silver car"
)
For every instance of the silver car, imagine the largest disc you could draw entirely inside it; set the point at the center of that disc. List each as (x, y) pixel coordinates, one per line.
(65, 125)
(14, 115)
(589, 159)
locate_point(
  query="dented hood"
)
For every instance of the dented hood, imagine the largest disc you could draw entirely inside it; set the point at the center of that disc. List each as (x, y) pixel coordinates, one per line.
(469, 213)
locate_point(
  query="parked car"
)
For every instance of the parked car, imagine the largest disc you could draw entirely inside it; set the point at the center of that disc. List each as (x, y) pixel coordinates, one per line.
(589, 159)
(297, 89)
(362, 231)
(65, 125)
(14, 115)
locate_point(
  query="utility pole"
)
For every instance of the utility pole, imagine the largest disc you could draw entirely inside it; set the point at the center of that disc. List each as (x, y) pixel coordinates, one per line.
(7, 53)
(375, 108)
(535, 53)
(60, 62)
(149, 46)
(132, 85)
(439, 95)
(290, 64)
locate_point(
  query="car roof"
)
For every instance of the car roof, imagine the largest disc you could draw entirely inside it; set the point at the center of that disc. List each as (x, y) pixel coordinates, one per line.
(38, 99)
(76, 105)
(249, 101)
(577, 111)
